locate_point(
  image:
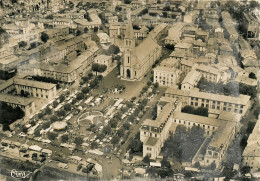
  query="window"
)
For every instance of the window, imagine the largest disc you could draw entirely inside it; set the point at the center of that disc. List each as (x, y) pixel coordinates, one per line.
(218, 102)
(191, 103)
(128, 59)
(229, 109)
(241, 111)
(218, 107)
(202, 105)
(213, 107)
(196, 103)
(144, 133)
(155, 135)
(224, 108)
(225, 103)
(214, 102)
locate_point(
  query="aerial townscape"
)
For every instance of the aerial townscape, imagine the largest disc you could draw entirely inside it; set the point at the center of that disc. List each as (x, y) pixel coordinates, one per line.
(129, 90)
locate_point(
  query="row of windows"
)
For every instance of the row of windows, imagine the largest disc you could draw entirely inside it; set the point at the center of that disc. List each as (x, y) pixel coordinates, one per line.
(218, 102)
(194, 124)
(30, 88)
(151, 134)
(149, 149)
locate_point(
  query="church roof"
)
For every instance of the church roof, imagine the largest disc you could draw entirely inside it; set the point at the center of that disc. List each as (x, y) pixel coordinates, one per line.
(145, 49)
(129, 34)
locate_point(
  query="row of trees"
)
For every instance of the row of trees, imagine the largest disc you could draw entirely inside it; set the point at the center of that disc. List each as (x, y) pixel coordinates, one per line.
(201, 111)
(5, 75)
(8, 115)
(229, 89)
(99, 68)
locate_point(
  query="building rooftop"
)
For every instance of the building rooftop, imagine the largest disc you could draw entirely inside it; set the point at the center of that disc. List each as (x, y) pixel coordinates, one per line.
(192, 77)
(23, 101)
(165, 69)
(242, 99)
(151, 141)
(32, 83)
(222, 135)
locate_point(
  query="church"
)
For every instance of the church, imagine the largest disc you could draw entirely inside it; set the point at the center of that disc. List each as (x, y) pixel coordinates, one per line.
(138, 60)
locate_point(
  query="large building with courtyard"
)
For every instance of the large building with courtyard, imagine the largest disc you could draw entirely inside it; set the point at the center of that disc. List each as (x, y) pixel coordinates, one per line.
(218, 132)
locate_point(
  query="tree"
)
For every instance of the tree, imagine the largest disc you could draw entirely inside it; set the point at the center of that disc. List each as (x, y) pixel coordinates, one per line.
(169, 46)
(121, 132)
(102, 68)
(100, 77)
(22, 44)
(115, 140)
(78, 33)
(78, 141)
(154, 112)
(55, 104)
(197, 165)
(2, 31)
(127, 1)
(52, 135)
(202, 111)
(47, 110)
(37, 133)
(165, 163)
(49, 16)
(156, 85)
(136, 146)
(44, 37)
(67, 107)
(188, 109)
(107, 130)
(46, 125)
(85, 90)
(113, 49)
(95, 29)
(80, 96)
(94, 145)
(86, 30)
(33, 45)
(61, 113)
(40, 115)
(113, 123)
(213, 166)
(146, 159)
(252, 75)
(95, 67)
(53, 118)
(126, 126)
(90, 74)
(62, 98)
